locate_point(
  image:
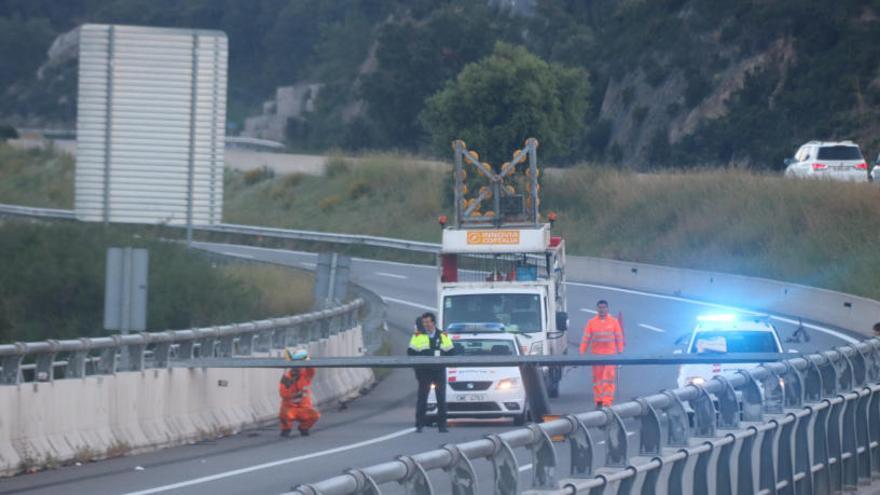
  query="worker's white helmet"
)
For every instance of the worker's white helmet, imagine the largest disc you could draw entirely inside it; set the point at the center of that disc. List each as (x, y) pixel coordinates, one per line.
(295, 354)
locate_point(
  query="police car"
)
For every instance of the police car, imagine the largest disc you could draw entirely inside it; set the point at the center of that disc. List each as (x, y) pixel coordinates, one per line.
(727, 334)
(483, 392)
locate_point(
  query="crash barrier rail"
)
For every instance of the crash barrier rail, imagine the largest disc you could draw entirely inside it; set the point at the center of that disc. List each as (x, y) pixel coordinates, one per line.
(805, 425)
(270, 232)
(144, 350)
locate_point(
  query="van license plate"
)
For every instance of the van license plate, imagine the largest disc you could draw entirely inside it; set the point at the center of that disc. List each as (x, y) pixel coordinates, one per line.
(471, 398)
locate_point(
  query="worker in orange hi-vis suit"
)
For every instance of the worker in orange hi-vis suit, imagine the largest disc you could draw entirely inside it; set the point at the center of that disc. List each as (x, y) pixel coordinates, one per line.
(296, 396)
(603, 335)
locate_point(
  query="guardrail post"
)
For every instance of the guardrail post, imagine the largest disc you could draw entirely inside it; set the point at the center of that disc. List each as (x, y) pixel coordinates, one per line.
(543, 458)
(581, 442)
(728, 405)
(504, 466)
(279, 338)
(616, 444)
(246, 344)
(227, 345)
(649, 432)
(45, 363)
(186, 350)
(161, 354)
(264, 340)
(464, 478)
(365, 484)
(207, 344)
(324, 326)
(774, 393)
(416, 481)
(76, 360)
(678, 427)
(704, 414)
(109, 360)
(12, 366)
(848, 444)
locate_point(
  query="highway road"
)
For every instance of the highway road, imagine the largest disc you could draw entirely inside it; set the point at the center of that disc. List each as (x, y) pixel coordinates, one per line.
(378, 426)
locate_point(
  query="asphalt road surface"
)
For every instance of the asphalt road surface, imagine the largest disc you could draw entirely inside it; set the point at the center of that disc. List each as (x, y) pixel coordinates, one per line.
(377, 427)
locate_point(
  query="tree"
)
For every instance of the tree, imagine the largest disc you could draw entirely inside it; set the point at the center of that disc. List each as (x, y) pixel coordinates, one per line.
(416, 58)
(498, 102)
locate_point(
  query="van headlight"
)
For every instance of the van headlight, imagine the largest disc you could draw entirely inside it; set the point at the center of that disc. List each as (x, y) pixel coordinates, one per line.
(696, 380)
(536, 349)
(506, 384)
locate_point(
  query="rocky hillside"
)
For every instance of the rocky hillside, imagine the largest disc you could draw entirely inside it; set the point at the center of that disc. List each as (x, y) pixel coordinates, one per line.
(675, 82)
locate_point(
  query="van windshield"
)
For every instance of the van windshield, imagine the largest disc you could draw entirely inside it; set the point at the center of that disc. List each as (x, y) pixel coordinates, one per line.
(728, 342)
(517, 312)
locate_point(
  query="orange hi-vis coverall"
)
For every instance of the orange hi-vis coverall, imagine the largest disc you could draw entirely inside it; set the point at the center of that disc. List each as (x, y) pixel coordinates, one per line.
(603, 336)
(296, 399)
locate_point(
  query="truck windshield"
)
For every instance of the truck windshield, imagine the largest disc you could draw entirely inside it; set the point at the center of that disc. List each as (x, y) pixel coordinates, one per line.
(727, 342)
(517, 312)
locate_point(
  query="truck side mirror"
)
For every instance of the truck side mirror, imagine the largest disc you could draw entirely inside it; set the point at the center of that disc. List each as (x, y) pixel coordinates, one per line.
(682, 339)
(788, 161)
(561, 321)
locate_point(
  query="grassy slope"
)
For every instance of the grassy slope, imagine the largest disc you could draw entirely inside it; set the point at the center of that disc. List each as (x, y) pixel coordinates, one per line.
(817, 233)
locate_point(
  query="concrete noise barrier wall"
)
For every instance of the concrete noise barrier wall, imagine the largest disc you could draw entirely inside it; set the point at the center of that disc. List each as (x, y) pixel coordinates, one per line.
(45, 423)
(854, 313)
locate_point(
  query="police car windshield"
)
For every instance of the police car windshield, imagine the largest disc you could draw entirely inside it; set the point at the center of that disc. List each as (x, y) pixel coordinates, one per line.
(517, 312)
(485, 347)
(727, 342)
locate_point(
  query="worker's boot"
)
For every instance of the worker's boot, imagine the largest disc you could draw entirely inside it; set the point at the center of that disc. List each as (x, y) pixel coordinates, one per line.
(599, 406)
(285, 433)
(304, 432)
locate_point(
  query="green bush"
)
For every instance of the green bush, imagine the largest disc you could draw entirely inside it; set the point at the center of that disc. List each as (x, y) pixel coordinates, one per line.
(52, 282)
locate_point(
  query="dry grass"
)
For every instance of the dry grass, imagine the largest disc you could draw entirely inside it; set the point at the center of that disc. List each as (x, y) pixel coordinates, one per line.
(825, 234)
(282, 291)
(818, 233)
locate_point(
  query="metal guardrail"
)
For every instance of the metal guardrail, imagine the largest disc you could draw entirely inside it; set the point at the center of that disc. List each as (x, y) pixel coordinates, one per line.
(28, 211)
(224, 228)
(101, 355)
(805, 425)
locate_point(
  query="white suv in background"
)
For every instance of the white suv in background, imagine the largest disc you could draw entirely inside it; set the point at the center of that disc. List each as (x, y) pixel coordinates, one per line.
(841, 160)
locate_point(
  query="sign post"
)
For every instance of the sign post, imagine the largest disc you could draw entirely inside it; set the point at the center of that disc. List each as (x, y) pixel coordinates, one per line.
(125, 292)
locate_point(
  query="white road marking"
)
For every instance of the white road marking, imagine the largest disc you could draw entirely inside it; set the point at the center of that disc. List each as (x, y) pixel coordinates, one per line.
(591, 311)
(391, 275)
(237, 255)
(525, 468)
(409, 303)
(652, 328)
(280, 462)
(833, 333)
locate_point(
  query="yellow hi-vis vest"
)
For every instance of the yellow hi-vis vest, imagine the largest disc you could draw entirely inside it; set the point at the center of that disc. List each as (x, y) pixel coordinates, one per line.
(422, 342)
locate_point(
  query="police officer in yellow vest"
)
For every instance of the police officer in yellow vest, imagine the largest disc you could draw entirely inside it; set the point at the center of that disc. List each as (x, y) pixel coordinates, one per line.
(430, 341)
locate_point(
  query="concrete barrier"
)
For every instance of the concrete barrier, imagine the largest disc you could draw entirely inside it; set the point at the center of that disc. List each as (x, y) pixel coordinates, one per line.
(100, 416)
(854, 313)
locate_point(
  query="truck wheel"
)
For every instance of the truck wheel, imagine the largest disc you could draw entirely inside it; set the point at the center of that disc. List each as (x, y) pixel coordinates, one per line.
(554, 377)
(521, 419)
(553, 389)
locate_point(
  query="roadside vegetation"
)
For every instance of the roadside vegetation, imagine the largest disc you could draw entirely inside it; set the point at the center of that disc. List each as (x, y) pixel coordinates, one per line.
(52, 282)
(823, 234)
